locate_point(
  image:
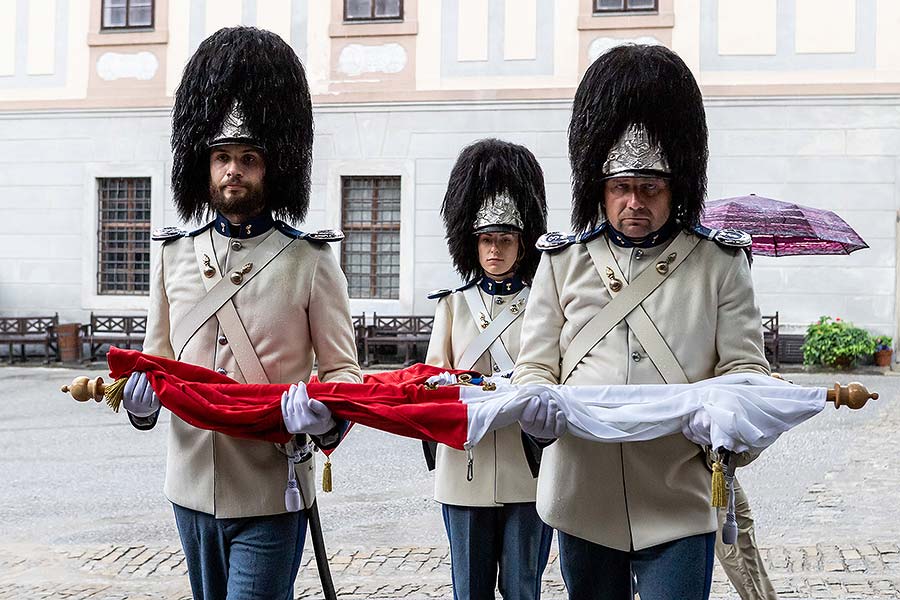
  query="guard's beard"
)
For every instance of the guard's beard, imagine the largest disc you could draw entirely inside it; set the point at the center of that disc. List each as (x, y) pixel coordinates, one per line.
(248, 205)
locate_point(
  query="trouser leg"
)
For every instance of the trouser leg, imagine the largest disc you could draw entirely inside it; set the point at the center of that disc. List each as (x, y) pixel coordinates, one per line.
(593, 572)
(265, 556)
(525, 548)
(679, 569)
(205, 553)
(474, 550)
(742, 561)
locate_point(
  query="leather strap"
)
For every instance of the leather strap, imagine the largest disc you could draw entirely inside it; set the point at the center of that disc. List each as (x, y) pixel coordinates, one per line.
(658, 350)
(220, 291)
(628, 298)
(489, 338)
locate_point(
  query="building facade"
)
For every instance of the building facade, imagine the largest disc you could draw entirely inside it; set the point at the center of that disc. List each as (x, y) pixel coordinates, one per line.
(803, 104)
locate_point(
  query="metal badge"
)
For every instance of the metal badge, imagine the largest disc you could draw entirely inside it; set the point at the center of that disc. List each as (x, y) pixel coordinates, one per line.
(662, 267)
(634, 152)
(498, 210)
(484, 321)
(553, 240)
(238, 276)
(732, 237)
(614, 283)
(208, 270)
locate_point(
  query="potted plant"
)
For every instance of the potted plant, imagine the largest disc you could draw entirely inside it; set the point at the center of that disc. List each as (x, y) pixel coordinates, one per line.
(835, 343)
(884, 350)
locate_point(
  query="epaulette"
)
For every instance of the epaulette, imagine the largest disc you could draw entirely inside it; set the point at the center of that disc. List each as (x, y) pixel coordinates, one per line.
(165, 234)
(322, 235)
(556, 240)
(727, 238)
(438, 294)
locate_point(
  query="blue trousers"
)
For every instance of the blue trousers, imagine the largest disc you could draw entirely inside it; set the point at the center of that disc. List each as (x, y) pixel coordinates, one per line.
(511, 538)
(252, 558)
(677, 570)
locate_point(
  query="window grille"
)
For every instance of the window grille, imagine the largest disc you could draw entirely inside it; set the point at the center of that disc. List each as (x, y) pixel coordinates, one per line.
(370, 253)
(123, 235)
(627, 6)
(373, 10)
(127, 14)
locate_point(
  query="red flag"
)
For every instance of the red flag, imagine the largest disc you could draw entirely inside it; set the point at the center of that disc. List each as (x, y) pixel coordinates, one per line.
(395, 401)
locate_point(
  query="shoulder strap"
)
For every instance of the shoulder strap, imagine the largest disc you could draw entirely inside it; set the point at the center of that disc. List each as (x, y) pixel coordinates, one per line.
(642, 325)
(219, 293)
(624, 302)
(489, 337)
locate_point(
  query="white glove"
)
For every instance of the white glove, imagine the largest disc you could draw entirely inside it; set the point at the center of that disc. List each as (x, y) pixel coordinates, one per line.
(139, 398)
(303, 414)
(444, 378)
(542, 418)
(695, 427)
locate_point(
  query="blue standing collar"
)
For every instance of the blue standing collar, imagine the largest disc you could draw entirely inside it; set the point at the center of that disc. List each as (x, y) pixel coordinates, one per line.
(249, 229)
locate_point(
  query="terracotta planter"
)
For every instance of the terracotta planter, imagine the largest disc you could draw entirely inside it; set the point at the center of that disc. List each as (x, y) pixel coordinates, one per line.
(883, 358)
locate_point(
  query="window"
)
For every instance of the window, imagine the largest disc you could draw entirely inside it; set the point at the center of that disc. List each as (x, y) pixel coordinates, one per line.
(123, 235)
(127, 14)
(370, 254)
(373, 10)
(617, 6)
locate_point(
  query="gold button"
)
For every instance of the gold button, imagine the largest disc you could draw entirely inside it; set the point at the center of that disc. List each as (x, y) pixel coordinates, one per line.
(237, 277)
(236, 245)
(208, 271)
(662, 268)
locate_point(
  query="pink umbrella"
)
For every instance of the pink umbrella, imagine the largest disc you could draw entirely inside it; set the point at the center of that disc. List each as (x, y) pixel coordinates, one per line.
(783, 228)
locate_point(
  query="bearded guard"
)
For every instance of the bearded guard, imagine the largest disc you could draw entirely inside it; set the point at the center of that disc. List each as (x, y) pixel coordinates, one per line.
(248, 296)
(640, 294)
(494, 211)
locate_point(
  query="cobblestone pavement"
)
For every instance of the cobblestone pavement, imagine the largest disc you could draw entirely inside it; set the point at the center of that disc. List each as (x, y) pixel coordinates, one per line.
(825, 507)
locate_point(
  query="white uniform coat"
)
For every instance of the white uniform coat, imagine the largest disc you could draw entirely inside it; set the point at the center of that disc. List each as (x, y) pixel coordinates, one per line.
(500, 470)
(295, 308)
(639, 494)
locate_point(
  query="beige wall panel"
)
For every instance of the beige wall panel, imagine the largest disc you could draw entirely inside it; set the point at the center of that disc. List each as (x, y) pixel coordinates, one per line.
(520, 30)
(177, 48)
(41, 37)
(318, 47)
(825, 26)
(7, 37)
(473, 35)
(275, 15)
(428, 46)
(887, 38)
(223, 13)
(747, 28)
(78, 60)
(566, 42)
(686, 34)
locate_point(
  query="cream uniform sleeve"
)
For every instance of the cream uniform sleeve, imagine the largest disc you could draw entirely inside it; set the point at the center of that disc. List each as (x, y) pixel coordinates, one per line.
(157, 340)
(539, 355)
(440, 349)
(739, 339)
(330, 324)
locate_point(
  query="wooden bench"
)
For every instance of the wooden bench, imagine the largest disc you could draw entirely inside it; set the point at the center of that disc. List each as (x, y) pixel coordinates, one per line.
(27, 331)
(770, 339)
(121, 331)
(405, 331)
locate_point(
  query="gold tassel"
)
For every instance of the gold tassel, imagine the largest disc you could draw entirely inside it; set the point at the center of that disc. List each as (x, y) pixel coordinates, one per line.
(326, 475)
(113, 393)
(719, 493)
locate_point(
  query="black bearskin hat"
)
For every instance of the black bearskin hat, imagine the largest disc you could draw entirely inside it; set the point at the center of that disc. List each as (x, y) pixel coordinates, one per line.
(641, 85)
(487, 170)
(258, 73)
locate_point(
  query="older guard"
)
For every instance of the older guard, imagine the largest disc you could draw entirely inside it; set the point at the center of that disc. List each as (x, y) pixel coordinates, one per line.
(641, 295)
(250, 297)
(494, 211)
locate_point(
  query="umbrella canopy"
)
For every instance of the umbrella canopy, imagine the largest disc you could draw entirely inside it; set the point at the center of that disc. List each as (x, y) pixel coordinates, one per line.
(783, 228)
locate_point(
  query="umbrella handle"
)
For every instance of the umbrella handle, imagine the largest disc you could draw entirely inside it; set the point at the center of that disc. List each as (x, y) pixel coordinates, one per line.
(854, 395)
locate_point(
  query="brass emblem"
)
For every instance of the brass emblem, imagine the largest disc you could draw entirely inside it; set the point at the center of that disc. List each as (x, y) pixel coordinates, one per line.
(484, 321)
(247, 229)
(614, 283)
(208, 270)
(662, 267)
(238, 276)
(515, 308)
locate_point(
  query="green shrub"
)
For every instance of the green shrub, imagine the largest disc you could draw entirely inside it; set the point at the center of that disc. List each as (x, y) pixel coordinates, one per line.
(836, 343)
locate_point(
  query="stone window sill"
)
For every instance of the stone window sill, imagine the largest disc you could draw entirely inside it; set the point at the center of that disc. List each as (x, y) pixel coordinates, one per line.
(127, 38)
(621, 21)
(372, 29)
